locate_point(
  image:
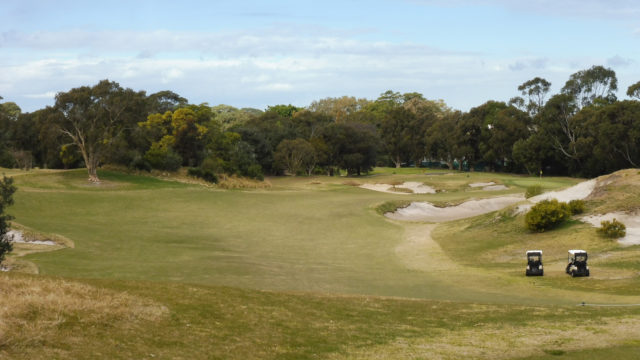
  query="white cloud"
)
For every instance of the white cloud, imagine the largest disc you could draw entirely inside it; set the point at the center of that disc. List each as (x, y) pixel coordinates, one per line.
(46, 95)
(612, 9)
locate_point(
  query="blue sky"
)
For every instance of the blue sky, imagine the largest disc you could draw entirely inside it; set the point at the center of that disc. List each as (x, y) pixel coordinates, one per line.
(260, 53)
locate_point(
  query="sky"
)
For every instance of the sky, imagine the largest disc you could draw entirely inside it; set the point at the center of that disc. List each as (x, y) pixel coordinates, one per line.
(261, 53)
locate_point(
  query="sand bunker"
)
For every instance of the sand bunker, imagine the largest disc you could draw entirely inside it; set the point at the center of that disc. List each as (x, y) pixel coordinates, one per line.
(424, 211)
(632, 222)
(576, 192)
(495, 188)
(488, 186)
(19, 238)
(481, 184)
(415, 187)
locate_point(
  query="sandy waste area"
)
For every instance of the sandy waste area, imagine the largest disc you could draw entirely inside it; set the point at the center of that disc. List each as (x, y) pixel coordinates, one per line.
(489, 186)
(424, 211)
(631, 221)
(19, 238)
(414, 186)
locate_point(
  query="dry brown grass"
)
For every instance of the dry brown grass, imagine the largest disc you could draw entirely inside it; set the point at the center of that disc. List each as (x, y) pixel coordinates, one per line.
(619, 191)
(34, 310)
(351, 183)
(236, 182)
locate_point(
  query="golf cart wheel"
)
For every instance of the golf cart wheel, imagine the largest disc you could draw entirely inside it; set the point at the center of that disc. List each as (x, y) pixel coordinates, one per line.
(573, 273)
(541, 272)
(587, 274)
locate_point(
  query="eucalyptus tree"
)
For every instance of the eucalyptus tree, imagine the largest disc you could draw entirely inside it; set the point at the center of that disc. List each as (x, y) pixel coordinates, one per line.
(92, 117)
(634, 90)
(536, 91)
(596, 84)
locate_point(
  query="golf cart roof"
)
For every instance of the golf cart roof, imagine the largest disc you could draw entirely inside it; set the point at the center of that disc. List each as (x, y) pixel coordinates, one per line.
(534, 252)
(573, 252)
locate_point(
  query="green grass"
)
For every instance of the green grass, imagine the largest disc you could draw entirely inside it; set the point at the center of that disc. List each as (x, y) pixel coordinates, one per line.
(211, 322)
(309, 269)
(324, 237)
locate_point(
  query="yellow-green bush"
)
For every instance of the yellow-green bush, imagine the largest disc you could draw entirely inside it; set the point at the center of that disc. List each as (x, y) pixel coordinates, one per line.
(612, 229)
(547, 214)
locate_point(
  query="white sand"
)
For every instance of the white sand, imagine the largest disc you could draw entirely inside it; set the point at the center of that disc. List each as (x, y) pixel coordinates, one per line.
(424, 211)
(481, 184)
(577, 192)
(495, 188)
(18, 238)
(415, 187)
(632, 222)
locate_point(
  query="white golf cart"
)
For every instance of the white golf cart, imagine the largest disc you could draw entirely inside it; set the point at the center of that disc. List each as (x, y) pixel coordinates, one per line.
(577, 263)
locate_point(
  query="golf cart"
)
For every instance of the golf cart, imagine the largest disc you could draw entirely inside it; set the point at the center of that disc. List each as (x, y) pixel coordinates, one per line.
(534, 263)
(577, 263)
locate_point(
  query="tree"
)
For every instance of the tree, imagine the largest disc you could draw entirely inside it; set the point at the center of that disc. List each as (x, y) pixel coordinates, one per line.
(592, 85)
(536, 90)
(351, 146)
(338, 108)
(634, 90)
(94, 116)
(440, 141)
(295, 155)
(395, 132)
(286, 111)
(6, 199)
(500, 134)
(558, 123)
(164, 101)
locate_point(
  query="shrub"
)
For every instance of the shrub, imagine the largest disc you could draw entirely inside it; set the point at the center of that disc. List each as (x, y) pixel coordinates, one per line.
(139, 163)
(576, 207)
(532, 191)
(206, 175)
(163, 158)
(612, 229)
(547, 214)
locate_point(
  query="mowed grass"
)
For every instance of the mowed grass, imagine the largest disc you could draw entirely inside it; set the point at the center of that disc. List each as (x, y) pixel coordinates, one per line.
(306, 234)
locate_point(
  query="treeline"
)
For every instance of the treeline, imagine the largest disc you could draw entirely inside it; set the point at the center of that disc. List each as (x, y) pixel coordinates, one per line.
(583, 131)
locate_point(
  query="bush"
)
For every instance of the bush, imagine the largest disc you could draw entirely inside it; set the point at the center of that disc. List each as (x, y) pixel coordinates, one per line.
(612, 229)
(255, 172)
(206, 175)
(547, 214)
(163, 158)
(533, 191)
(139, 163)
(576, 207)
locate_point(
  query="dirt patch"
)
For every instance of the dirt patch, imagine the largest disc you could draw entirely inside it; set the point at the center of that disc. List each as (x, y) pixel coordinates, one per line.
(424, 211)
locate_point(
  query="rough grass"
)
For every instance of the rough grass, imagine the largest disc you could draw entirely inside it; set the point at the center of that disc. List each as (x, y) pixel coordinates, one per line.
(113, 319)
(49, 314)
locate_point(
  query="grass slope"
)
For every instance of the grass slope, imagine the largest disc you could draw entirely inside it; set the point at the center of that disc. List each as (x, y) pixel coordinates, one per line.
(159, 251)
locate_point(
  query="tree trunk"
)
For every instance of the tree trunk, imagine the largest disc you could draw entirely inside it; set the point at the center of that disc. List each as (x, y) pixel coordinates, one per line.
(91, 163)
(397, 161)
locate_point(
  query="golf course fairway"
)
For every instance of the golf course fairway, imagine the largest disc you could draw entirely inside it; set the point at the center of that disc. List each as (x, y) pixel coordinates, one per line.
(307, 268)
